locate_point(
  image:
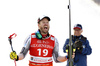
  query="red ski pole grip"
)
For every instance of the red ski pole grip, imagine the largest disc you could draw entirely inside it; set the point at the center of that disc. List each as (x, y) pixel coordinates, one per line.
(12, 36)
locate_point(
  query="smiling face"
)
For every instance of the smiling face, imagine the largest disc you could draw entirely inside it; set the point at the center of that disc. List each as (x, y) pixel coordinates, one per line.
(77, 32)
(44, 26)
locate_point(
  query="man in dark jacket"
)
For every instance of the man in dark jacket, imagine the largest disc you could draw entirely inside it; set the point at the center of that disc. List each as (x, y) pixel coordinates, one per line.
(82, 46)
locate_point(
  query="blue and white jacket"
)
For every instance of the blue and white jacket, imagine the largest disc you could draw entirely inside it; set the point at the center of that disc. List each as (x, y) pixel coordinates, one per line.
(80, 58)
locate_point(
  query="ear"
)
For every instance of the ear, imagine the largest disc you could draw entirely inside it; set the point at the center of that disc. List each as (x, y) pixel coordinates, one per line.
(39, 26)
(81, 31)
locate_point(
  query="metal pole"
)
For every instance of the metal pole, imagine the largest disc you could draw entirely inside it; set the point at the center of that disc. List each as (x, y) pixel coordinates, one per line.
(70, 37)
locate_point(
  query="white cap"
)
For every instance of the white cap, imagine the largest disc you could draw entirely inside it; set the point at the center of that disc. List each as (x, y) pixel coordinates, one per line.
(42, 17)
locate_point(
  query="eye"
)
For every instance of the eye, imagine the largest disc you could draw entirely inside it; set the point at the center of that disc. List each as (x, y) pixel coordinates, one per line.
(43, 22)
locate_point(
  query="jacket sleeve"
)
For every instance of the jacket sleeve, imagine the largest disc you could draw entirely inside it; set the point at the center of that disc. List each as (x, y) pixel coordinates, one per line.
(26, 46)
(87, 50)
(56, 51)
(64, 47)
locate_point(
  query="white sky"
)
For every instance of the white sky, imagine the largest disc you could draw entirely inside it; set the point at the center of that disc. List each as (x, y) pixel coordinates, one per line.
(21, 16)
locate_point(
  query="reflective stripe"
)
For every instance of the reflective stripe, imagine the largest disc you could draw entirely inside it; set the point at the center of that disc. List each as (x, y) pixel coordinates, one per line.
(27, 41)
(40, 59)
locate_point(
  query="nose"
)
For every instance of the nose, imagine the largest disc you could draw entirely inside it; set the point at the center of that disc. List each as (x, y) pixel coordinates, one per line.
(76, 32)
(46, 23)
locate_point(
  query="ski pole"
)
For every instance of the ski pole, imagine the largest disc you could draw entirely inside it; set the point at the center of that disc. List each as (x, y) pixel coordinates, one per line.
(10, 41)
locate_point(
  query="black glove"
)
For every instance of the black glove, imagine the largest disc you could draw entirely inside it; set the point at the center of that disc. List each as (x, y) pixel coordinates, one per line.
(78, 45)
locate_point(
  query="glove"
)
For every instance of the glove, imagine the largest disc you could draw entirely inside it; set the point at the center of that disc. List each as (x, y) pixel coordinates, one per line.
(13, 56)
(78, 45)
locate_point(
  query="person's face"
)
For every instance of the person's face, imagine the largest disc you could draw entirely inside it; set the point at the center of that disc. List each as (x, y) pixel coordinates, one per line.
(44, 26)
(77, 32)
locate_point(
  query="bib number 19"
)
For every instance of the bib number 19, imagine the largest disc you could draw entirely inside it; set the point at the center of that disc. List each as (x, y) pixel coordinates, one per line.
(45, 52)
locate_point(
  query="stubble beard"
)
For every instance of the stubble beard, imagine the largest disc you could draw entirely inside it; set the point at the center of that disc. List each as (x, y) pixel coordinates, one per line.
(43, 31)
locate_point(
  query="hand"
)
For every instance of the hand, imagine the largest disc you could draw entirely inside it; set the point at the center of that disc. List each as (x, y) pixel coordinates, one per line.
(73, 55)
(78, 45)
(13, 56)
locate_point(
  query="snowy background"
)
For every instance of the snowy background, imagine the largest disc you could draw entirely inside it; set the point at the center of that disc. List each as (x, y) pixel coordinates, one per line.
(20, 17)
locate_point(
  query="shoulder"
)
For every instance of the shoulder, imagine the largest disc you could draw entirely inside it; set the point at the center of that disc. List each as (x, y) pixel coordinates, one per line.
(67, 40)
(33, 35)
(84, 38)
(52, 37)
(28, 37)
(27, 41)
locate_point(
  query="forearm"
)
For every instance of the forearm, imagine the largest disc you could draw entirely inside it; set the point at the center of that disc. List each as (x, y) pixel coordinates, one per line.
(20, 56)
(22, 53)
(62, 58)
(87, 50)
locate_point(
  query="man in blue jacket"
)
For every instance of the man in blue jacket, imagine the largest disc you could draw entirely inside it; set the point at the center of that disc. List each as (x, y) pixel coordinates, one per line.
(82, 46)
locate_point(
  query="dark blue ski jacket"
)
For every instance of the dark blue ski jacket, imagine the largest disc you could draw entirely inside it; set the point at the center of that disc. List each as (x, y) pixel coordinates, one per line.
(80, 57)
